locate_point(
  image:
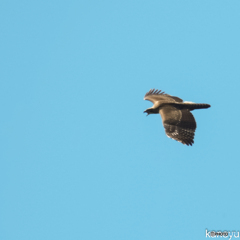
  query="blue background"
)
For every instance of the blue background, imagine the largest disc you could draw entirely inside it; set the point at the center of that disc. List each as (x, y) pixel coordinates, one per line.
(79, 159)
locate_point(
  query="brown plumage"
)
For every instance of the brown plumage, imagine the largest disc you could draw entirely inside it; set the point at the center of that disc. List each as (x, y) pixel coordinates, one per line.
(177, 119)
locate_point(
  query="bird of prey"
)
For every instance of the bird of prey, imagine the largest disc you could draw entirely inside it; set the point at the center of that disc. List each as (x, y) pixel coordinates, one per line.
(177, 119)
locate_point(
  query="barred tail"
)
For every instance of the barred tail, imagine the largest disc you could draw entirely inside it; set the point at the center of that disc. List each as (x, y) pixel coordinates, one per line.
(192, 106)
(199, 106)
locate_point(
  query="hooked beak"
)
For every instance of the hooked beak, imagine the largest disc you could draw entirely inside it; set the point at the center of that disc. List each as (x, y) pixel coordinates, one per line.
(146, 113)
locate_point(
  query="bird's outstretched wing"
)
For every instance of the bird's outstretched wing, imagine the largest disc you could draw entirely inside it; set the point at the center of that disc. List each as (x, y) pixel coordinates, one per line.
(157, 95)
(179, 124)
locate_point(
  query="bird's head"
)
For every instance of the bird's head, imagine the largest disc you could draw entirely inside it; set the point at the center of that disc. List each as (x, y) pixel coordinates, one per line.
(148, 111)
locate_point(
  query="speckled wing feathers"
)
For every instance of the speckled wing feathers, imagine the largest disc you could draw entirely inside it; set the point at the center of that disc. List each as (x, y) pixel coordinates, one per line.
(180, 125)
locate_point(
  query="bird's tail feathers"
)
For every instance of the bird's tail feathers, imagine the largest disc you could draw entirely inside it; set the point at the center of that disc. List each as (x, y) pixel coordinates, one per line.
(192, 106)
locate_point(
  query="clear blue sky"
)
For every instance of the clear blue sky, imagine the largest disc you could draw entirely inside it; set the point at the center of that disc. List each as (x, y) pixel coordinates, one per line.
(79, 159)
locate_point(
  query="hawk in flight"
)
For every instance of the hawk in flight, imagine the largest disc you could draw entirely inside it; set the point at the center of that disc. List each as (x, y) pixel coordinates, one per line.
(177, 119)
